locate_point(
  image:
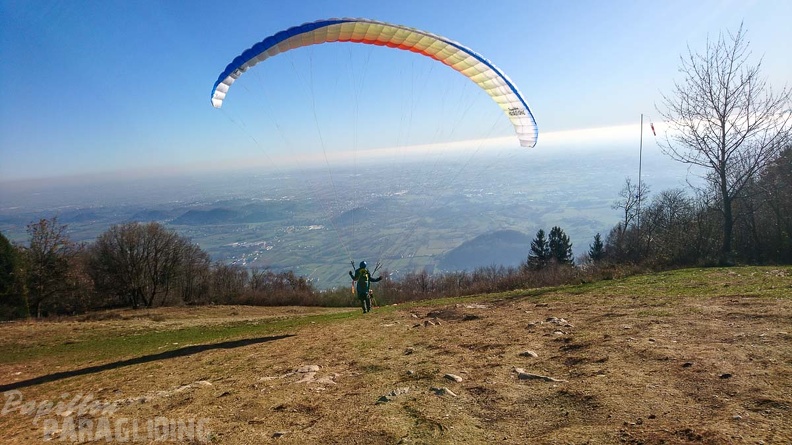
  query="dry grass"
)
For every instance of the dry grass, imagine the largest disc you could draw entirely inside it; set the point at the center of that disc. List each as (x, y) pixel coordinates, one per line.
(700, 357)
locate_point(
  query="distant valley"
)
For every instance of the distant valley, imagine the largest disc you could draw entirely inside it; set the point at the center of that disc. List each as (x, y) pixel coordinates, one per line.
(460, 213)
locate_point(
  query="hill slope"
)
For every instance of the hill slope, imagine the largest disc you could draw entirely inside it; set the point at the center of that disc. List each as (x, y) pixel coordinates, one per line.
(694, 356)
(506, 247)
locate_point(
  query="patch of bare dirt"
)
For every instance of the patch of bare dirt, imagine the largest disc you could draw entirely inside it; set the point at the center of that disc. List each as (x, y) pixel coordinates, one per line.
(693, 371)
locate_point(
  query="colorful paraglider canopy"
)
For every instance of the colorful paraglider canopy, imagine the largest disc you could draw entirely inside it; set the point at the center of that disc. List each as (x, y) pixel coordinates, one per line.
(471, 64)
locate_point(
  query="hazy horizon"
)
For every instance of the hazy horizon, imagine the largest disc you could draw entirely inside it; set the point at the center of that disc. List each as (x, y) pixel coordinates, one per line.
(587, 143)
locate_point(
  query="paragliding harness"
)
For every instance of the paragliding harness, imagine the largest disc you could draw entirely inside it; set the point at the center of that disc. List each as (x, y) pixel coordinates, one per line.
(368, 278)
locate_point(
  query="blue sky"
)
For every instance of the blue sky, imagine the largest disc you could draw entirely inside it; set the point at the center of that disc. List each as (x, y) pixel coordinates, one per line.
(122, 87)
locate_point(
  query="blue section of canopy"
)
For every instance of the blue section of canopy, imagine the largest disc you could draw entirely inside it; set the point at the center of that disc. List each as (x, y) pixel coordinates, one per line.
(268, 43)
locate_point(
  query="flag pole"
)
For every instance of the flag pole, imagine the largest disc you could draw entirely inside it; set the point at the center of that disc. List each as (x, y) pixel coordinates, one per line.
(640, 164)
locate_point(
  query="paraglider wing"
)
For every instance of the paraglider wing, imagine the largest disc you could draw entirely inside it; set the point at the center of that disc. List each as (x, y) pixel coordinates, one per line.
(471, 64)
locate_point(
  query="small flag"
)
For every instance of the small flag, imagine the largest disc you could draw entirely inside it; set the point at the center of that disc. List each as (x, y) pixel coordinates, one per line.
(653, 130)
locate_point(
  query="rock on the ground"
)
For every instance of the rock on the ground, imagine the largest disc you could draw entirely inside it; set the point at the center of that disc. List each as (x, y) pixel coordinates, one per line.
(522, 375)
(391, 395)
(442, 391)
(308, 368)
(559, 322)
(453, 377)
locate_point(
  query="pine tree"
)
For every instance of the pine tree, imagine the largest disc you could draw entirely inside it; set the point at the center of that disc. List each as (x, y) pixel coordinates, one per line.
(560, 246)
(597, 249)
(12, 291)
(8, 264)
(540, 253)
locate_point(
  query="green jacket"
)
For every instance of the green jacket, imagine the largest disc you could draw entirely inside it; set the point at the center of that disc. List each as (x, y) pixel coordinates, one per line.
(364, 279)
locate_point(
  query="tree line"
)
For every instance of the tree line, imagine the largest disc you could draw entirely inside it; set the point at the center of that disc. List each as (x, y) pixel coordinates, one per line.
(144, 265)
(130, 265)
(678, 228)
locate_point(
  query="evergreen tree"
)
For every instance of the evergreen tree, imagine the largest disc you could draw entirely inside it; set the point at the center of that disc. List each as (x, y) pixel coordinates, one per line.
(597, 249)
(8, 264)
(540, 253)
(560, 246)
(12, 297)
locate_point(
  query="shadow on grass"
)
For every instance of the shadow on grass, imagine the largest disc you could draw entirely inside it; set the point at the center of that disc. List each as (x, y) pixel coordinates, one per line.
(180, 352)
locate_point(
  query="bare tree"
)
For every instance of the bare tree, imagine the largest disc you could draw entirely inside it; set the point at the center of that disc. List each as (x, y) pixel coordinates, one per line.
(48, 258)
(630, 198)
(195, 276)
(723, 116)
(667, 229)
(228, 282)
(138, 262)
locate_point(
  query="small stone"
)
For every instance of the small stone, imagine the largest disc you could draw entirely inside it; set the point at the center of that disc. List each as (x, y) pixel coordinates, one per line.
(308, 368)
(409, 351)
(737, 417)
(687, 364)
(529, 354)
(453, 377)
(399, 391)
(443, 391)
(278, 434)
(559, 322)
(522, 375)
(725, 375)
(410, 372)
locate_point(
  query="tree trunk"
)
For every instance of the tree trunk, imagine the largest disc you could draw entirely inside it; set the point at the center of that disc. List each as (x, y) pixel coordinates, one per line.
(728, 226)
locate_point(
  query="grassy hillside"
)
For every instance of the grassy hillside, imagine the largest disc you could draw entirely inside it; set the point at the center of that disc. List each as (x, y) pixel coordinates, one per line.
(690, 356)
